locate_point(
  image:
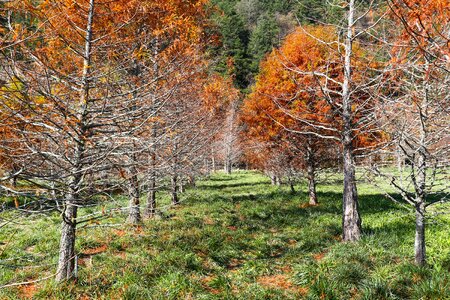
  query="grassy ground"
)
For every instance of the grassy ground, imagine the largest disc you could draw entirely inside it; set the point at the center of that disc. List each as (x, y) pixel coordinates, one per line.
(236, 237)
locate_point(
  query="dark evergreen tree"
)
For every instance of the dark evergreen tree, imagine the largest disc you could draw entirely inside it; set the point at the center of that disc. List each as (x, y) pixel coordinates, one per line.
(233, 56)
(317, 11)
(248, 29)
(263, 38)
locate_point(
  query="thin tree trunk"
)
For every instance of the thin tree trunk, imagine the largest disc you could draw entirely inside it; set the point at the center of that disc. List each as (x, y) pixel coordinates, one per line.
(273, 179)
(419, 244)
(229, 142)
(291, 185)
(182, 189)
(419, 180)
(150, 208)
(192, 182)
(213, 162)
(278, 180)
(66, 262)
(174, 192)
(227, 165)
(14, 181)
(400, 165)
(207, 165)
(134, 216)
(312, 185)
(311, 170)
(351, 221)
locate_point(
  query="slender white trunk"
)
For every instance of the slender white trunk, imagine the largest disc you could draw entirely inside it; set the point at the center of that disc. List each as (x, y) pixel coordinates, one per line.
(420, 184)
(66, 262)
(134, 215)
(419, 243)
(311, 170)
(351, 221)
(150, 208)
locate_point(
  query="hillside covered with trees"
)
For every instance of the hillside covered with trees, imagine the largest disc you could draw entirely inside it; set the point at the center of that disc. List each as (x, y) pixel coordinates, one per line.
(224, 149)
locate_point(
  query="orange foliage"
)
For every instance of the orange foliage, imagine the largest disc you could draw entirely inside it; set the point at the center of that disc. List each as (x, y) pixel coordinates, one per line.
(289, 94)
(219, 93)
(425, 23)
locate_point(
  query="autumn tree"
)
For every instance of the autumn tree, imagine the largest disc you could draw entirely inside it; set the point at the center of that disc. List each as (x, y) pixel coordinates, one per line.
(317, 87)
(414, 108)
(90, 110)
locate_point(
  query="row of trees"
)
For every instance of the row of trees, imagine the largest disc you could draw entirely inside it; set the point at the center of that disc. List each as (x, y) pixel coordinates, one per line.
(100, 96)
(368, 91)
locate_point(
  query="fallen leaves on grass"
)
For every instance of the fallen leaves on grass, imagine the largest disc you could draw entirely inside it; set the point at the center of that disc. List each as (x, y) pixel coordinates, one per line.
(208, 221)
(96, 250)
(205, 283)
(28, 290)
(120, 232)
(280, 282)
(235, 263)
(319, 256)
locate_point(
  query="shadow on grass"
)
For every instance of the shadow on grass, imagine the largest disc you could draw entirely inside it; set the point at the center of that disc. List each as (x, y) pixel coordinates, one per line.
(231, 185)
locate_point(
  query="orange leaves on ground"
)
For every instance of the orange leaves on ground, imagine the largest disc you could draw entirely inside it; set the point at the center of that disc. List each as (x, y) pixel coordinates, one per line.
(96, 250)
(28, 290)
(206, 284)
(280, 282)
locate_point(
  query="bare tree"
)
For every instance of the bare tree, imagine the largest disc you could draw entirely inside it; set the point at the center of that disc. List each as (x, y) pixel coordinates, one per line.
(414, 109)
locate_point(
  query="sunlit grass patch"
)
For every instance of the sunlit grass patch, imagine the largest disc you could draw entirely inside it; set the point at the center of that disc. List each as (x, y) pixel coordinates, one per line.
(236, 237)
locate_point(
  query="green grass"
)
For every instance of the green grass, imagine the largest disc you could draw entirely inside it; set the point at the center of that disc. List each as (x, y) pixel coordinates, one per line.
(236, 237)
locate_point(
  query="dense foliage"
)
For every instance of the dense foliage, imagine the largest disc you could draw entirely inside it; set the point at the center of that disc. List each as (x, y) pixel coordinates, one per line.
(249, 29)
(116, 117)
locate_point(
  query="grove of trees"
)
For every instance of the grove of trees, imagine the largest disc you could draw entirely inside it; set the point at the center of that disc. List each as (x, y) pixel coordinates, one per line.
(100, 98)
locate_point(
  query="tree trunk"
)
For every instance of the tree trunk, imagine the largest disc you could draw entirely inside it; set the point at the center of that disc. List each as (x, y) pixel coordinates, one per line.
(311, 170)
(66, 262)
(213, 163)
(291, 185)
(192, 182)
(14, 181)
(420, 187)
(351, 221)
(150, 209)
(207, 165)
(278, 180)
(182, 190)
(229, 141)
(273, 179)
(312, 185)
(175, 200)
(227, 166)
(419, 244)
(134, 216)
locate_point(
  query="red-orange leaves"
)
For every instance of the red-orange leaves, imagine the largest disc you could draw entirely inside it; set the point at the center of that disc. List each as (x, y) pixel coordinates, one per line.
(219, 93)
(426, 25)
